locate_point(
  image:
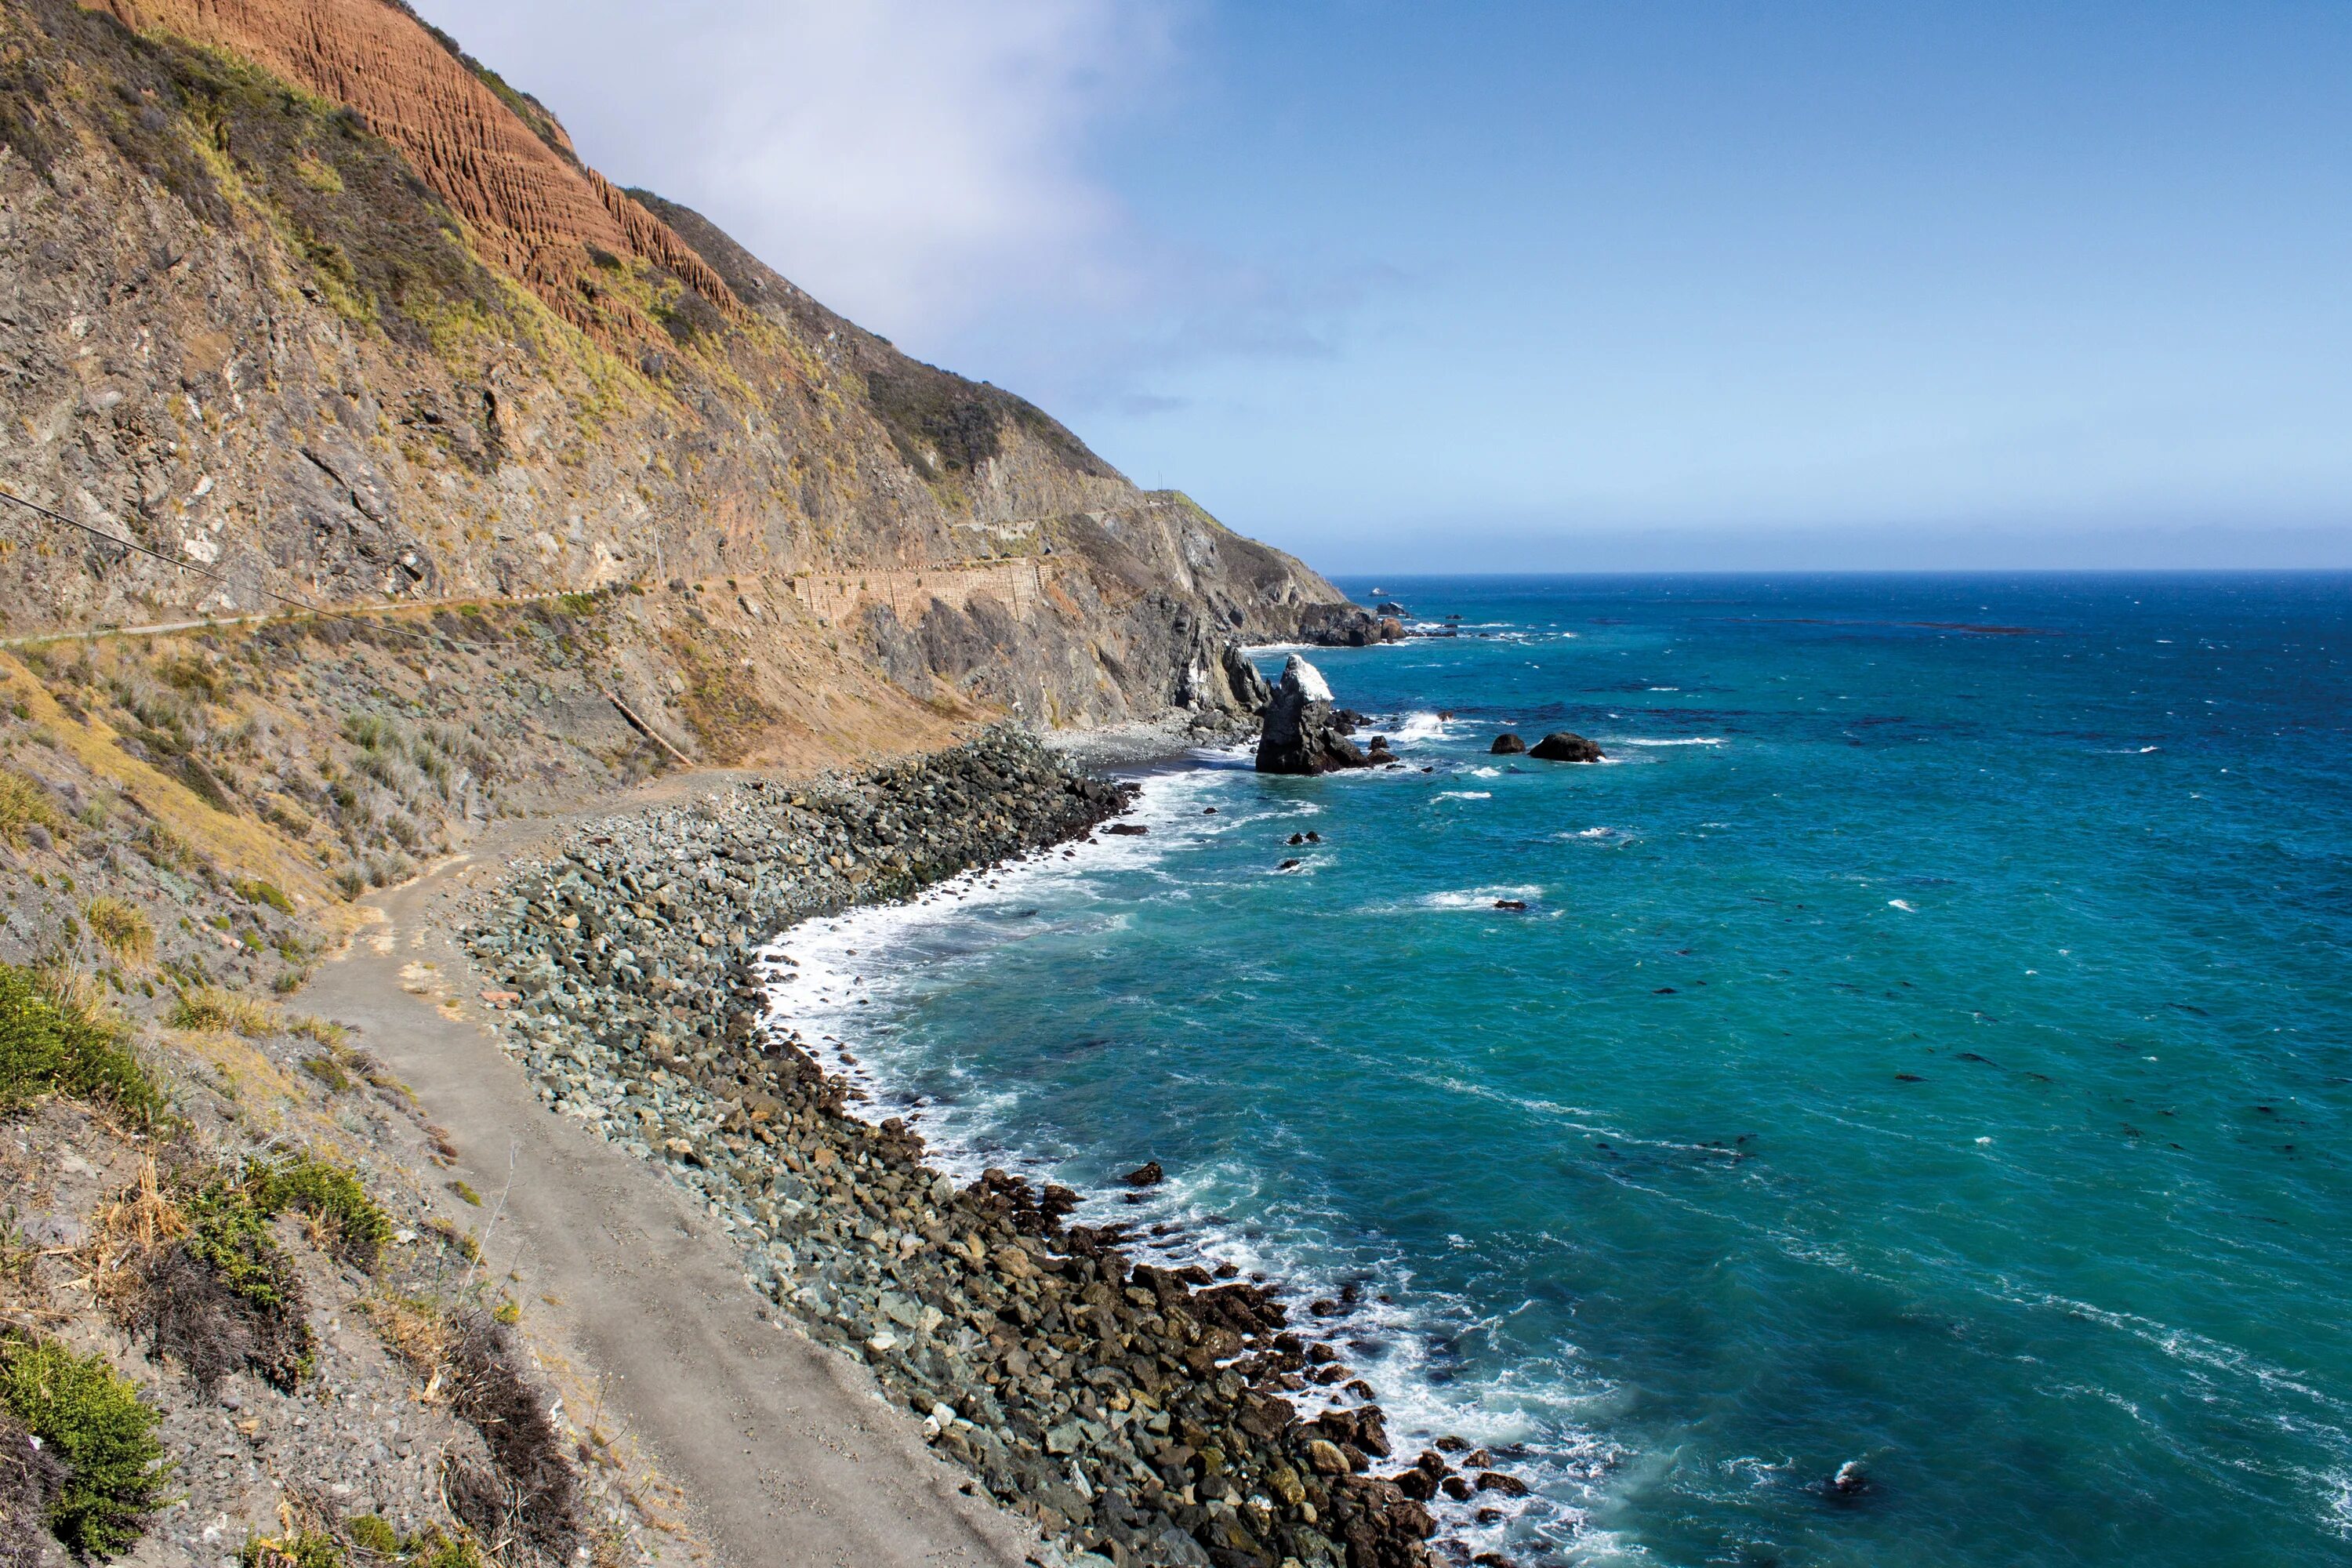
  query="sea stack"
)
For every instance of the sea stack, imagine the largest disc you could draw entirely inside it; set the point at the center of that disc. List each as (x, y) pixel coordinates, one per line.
(1249, 688)
(1302, 734)
(1564, 746)
(1507, 746)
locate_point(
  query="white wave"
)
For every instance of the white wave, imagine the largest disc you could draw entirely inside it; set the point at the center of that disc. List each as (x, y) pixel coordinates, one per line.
(1477, 898)
(851, 966)
(1421, 727)
(1466, 795)
(1901, 904)
(1686, 741)
(1595, 834)
(1483, 772)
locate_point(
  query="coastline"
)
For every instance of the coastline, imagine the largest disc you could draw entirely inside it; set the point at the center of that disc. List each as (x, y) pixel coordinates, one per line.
(1134, 1412)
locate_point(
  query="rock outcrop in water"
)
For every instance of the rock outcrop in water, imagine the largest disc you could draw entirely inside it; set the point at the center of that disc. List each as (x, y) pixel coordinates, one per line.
(1507, 746)
(1249, 688)
(1302, 733)
(1563, 746)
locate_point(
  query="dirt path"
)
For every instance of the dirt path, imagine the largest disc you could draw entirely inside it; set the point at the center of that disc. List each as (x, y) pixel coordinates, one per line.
(786, 1453)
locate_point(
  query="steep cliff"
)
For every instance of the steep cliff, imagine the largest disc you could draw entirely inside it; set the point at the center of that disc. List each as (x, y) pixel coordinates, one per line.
(297, 295)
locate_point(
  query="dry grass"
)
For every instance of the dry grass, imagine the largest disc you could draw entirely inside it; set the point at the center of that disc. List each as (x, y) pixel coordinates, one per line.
(211, 1007)
(121, 928)
(25, 804)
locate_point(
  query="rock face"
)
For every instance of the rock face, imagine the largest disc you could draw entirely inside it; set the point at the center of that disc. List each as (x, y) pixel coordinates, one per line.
(386, 336)
(1507, 746)
(1302, 734)
(1250, 689)
(1561, 746)
(1345, 625)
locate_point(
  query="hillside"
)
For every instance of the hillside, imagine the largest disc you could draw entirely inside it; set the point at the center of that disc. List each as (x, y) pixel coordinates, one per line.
(298, 293)
(396, 504)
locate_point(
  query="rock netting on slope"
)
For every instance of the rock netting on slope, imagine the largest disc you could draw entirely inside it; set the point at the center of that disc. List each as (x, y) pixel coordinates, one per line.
(1135, 1412)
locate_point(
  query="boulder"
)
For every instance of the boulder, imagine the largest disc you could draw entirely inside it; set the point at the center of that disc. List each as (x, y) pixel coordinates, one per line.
(1506, 746)
(1250, 688)
(1337, 626)
(1561, 746)
(1301, 733)
(1147, 1174)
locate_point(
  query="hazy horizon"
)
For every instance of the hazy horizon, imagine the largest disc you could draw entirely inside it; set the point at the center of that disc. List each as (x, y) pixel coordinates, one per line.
(1936, 287)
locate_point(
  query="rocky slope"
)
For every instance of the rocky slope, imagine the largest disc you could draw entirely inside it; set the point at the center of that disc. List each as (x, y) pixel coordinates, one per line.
(297, 296)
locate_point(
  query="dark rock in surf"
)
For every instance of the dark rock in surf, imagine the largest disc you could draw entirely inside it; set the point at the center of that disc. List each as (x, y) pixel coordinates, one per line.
(1506, 746)
(1128, 830)
(1147, 1174)
(1518, 904)
(1250, 688)
(1561, 746)
(1301, 733)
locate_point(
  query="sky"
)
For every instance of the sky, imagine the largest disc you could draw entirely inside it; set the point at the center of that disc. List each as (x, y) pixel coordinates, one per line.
(1411, 287)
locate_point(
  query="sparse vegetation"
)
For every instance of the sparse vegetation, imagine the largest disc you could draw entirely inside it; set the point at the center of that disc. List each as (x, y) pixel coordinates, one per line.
(121, 928)
(350, 1224)
(54, 1042)
(261, 893)
(25, 806)
(101, 1433)
(214, 1007)
(200, 1273)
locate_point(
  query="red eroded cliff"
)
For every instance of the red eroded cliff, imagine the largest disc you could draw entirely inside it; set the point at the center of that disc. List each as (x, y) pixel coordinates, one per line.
(534, 209)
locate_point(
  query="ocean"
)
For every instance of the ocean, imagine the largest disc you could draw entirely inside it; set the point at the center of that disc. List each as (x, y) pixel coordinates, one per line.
(1925, 1045)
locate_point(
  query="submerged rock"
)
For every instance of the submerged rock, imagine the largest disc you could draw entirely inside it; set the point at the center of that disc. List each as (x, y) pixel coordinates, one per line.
(1561, 746)
(1302, 733)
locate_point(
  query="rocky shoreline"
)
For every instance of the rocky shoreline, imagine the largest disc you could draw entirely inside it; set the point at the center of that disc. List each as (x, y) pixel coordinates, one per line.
(1139, 1415)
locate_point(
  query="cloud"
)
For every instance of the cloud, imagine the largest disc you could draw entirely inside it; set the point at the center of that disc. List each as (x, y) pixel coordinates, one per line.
(913, 162)
(924, 167)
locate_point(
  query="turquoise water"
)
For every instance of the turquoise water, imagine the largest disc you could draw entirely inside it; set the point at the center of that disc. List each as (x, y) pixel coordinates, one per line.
(1923, 1046)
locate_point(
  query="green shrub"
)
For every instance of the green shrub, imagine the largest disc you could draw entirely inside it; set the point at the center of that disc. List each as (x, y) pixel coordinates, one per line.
(255, 891)
(329, 1071)
(99, 1427)
(264, 1326)
(330, 1194)
(51, 1044)
(371, 1533)
(300, 1548)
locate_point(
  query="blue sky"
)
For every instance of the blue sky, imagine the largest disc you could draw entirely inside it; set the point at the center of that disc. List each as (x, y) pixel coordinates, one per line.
(1417, 286)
